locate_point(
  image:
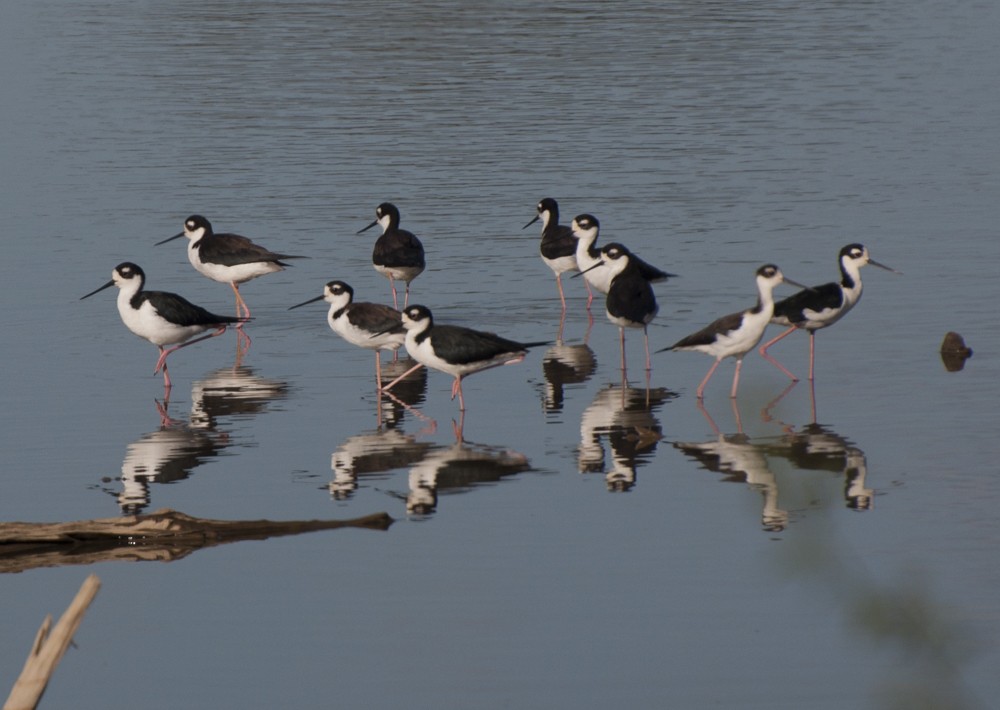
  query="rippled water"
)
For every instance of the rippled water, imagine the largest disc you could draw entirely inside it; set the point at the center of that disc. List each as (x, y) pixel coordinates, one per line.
(579, 544)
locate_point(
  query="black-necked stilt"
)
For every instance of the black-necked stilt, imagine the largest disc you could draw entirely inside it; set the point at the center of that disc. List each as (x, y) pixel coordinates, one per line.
(398, 254)
(585, 230)
(558, 247)
(228, 258)
(161, 318)
(736, 334)
(821, 306)
(455, 350)
(630, 302)
(367, 325)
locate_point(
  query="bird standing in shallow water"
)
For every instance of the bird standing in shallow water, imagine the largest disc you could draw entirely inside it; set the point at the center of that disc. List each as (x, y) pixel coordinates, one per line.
(398, 254)
(456, 350)
(585, 230)
(630, 302)
(821, 306)
(228, 258)
(161, 318)
(367, 325)
(558, 246)
(738, 333)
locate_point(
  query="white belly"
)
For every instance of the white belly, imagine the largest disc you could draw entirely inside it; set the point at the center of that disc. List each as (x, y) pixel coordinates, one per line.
(147, 323)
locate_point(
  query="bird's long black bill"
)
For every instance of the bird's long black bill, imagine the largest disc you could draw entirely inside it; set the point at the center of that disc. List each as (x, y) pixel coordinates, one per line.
(531, 222)
(788, 281)
(109, 284)
(394, 329)
(176, 236)
(581, 273)
(365, 229)
(311, 300)
(883, 266)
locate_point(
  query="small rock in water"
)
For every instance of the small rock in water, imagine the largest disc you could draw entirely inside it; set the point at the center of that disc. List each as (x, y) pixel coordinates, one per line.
(954, 352)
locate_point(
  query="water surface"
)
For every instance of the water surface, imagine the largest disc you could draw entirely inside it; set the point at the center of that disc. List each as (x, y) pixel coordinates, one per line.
(582, 544)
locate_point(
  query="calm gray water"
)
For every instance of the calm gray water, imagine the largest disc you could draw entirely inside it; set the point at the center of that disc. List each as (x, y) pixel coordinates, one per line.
(584, 546)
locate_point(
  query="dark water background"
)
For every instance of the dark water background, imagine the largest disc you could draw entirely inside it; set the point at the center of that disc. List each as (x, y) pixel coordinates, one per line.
(580, 548)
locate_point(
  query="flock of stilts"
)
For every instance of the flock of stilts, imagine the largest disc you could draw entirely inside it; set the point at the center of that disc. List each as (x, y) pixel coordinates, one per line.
(625, 280)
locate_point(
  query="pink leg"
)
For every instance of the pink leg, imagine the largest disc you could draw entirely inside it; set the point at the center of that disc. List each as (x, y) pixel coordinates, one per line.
(701, 388)
(401, 377)
(162, 362)
(812, 352)
(240, 303)
(711, 422)
(649, 363)
(622, 339)
(392, 285)
(736, 415)
(378, 370)
(456, 388)
(736, 378)
(406, 296)
(562, 296)
(763, 353)
(166, 376)
(590, 294)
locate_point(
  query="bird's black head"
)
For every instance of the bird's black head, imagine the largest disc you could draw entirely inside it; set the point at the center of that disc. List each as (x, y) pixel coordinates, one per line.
(387, 209)
(127, 271)
(547, 204)
(586, 222)
(338, 288)
(614, 251)
(768, 271)
(853, 251)
(413, 315)
(196, 222)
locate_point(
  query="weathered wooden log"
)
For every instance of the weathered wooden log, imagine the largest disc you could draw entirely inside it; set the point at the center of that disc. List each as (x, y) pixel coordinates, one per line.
(48, 649)
(163, 535)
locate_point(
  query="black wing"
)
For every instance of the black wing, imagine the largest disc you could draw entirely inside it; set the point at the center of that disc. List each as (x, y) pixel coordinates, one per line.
(399, 248)
(374, 317)
(558, 242)
(234, 249)
(181, 311)
(828, 295)
(463, 346)
(708, 334)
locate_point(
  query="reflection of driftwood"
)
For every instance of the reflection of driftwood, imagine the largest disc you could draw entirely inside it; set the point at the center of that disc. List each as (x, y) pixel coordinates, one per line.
(164, 535)
(48, 649)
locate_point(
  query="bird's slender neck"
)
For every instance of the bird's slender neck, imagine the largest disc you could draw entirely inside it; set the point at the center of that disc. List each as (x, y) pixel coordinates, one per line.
(850, 277)
(128, 293)
(419, 331)
(338, 305)
(617, 266)
(585, 243)
(765, 296)
(548, 218)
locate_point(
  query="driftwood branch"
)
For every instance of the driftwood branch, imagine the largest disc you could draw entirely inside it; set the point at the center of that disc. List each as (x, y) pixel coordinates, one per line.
(163, 535)
(48, 649)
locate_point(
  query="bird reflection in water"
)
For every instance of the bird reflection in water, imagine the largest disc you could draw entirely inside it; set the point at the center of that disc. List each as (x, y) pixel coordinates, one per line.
(370, 453)
(740, 461)
(406, 396)
(816, 447)
(232, 392)
(173, 451)
(564, 365)
(458, 469)
(387, 448)
(624, 417)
